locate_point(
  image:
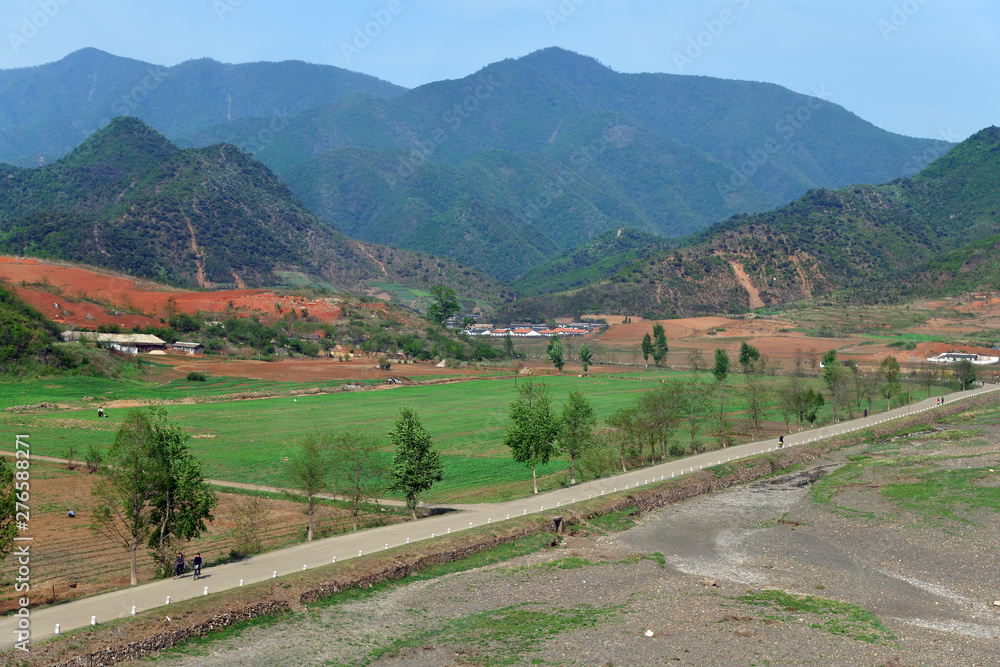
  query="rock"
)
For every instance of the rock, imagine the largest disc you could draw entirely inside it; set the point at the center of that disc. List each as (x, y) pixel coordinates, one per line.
(996, 603)
(708, 581)
(650, 633)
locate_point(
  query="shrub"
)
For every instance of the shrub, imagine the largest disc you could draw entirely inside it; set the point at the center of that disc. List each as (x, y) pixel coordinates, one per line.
(195, 376)
(383, 363)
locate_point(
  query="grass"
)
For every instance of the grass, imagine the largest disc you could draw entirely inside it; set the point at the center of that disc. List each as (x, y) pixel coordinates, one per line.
(503, 636)
(249, 441)
(614, 522)
(940, 494)
(201, 645)
(837, 618)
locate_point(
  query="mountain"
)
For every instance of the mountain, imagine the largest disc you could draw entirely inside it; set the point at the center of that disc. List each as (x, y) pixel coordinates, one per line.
(934, 233)
(575, 149)
(50, 109)
(128, 199)
(553, 146)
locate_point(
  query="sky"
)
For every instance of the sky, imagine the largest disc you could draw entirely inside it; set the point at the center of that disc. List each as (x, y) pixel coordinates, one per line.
(924, 68)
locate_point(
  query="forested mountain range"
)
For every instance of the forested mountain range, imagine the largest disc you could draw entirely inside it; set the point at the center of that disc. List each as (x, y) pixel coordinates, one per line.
(933, 234)
(524, 158)
(130, 200)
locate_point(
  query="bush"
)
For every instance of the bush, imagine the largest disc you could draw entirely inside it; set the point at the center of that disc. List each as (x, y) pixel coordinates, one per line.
(383, 363)
(195, 376)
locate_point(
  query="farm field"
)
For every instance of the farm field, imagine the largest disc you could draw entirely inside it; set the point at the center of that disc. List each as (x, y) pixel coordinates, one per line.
(250, 441)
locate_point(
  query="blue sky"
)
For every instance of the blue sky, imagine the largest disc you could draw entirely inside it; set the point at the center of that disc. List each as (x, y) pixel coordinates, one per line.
(924, 68)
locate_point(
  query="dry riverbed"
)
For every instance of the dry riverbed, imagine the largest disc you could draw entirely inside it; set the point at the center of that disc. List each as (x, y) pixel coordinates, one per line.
(883, 554)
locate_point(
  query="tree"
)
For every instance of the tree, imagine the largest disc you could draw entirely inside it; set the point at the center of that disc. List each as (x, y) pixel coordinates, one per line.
(624, 424)
(694, 403)
(555, 352)
(576, 430)
(749, 355)
(811, 403)
(585, 357)
(10, 485)
(721, 368)
(834, 376)
(533, 429)
(309, 473)
(416, 465)
(889, 373)
(508, 345)
(927, 377)
(647, 347)
(358, 471)
(660, 347)
(445, 304)
(250, 517)
(132, 480)
(696, 360)
(660, 414)
(966, 374)
(756, 394)
(185, 501)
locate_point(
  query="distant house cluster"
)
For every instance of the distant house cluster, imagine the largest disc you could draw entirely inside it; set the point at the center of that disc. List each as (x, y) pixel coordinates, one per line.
(531, 331)
(132, 343)
(956, 356)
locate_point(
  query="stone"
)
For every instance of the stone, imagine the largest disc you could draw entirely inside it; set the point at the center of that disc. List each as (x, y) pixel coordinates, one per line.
(650, 633)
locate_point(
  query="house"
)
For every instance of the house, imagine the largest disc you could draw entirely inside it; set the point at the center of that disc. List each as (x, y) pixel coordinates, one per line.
(187, 348)
(956, 356)
(131, 343)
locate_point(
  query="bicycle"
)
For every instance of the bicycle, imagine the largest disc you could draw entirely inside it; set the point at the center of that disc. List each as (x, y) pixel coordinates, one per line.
(197, 572)
(178, 571)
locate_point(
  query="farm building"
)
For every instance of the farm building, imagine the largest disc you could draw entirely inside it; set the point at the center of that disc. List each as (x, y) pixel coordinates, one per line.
(126, 343)
(956, 355)
(181, 347)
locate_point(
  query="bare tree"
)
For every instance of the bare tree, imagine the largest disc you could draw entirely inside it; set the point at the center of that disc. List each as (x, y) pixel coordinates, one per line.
(309, 473)
(250, 518)
(359, 472)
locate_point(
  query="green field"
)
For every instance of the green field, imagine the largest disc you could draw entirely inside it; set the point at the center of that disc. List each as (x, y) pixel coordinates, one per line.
(248, 440)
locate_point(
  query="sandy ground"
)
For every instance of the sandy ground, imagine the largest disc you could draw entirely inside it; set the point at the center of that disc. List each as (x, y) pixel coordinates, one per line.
(930, 583)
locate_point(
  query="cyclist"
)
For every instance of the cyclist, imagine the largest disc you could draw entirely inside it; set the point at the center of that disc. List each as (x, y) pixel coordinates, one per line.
(781, 441)
(179, 565)
(196, 563)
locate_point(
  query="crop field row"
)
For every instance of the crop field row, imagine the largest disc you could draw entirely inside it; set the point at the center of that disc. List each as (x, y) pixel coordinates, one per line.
(250, 440)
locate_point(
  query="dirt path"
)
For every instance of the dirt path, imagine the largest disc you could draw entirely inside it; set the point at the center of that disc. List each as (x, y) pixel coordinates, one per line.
(744, 279)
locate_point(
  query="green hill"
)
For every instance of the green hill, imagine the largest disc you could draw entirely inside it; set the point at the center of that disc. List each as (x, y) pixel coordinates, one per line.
(932, 234)
(26, 337)
(130, 200)
(50, 109)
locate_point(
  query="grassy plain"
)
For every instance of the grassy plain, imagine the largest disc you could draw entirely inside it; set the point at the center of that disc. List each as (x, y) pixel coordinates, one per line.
(250, 440)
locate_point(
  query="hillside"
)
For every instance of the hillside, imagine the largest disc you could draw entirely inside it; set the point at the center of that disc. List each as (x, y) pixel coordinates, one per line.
(926, 235)
(26, 337)
(571, 148)
(527, 157)
(130, 200)
(50, 109)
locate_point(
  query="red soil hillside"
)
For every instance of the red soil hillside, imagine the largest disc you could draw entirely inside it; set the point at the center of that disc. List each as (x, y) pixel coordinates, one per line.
(47, 285)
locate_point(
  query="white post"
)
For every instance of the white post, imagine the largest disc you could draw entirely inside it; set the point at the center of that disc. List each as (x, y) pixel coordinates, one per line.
(206, 591)
(168, 599)
(241, 582)
(133, 610)
(274, 575)
(57, 628)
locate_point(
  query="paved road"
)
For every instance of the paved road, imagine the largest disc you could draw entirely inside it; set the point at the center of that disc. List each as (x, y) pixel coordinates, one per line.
(120, 603)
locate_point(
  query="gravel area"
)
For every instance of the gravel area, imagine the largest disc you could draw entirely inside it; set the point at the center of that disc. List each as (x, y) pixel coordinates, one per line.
(687, 586)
